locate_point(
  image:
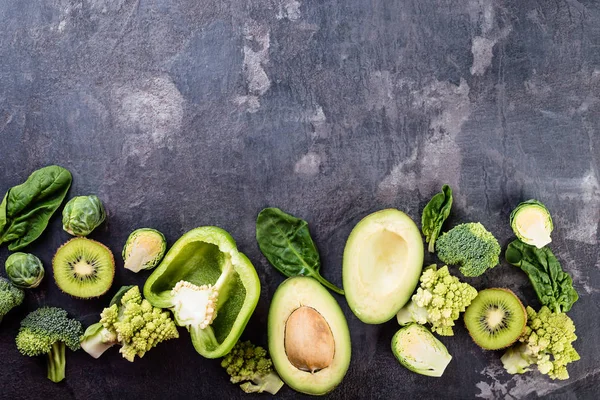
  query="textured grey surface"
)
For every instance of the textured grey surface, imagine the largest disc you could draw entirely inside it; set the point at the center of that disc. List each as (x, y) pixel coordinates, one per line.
(193, 112)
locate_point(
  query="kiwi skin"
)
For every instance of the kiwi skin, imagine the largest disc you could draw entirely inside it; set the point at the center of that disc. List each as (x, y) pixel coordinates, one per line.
(516, 337)
(112, 262)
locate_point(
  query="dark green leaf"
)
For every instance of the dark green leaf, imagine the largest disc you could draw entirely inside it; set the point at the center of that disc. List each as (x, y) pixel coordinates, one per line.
(434, 215)
(27, 208)
(286, 242)
(553, 286)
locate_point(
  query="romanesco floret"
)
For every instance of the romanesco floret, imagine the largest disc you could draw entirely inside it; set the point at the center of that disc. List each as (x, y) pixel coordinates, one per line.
(471, 246)
(131, 322)
(10, 297)
(546, 342)
(249, 364)
(48, 330)
(438, 301)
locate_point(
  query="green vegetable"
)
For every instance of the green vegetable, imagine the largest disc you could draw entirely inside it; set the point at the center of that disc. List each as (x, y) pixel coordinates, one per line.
(249, 364)
(434, 215)
(532, 223)
(546, 343)
(27, 208)
(439, 300)
(10, 297)
(418, 350)
(83, 214)
(47, 331)
(132, 323)
(471, 246)
(210, 286)
(144, 249)
(24, 270)
(285, 241)
(553, 286)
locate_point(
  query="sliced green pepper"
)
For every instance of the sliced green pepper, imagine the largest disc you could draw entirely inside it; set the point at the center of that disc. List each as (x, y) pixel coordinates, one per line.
(211, 288)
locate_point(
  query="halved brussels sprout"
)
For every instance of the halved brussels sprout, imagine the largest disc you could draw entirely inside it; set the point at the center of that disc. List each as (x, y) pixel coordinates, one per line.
(83, 214)
(418, 350)
(24, 270)
(532, 223)
(144, 249)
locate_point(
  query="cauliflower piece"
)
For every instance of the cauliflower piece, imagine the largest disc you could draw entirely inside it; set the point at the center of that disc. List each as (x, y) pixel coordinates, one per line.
(546, 342)
(438, 301)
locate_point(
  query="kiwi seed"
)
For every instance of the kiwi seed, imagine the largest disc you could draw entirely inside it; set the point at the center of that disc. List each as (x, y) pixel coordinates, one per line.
(495, 319)
(83, 268)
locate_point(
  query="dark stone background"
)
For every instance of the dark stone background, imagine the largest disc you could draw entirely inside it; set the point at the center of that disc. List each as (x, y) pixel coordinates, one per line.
(193, 112)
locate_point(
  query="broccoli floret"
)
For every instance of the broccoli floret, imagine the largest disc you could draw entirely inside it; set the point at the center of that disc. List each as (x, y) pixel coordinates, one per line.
(439, 300)
(48, 330)
(10, 297)
(547, 343)
(249, 364)
(133, 323)
(471, 246)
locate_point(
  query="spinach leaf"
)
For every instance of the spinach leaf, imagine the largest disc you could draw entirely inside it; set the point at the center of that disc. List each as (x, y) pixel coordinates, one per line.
(553, 286)
(434, 215)
(27, 208)
(286, 242)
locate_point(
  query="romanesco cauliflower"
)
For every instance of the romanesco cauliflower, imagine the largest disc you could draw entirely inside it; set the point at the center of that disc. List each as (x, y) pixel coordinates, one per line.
(131, 322)
(249, 364)
(439, 300)
(546, 342)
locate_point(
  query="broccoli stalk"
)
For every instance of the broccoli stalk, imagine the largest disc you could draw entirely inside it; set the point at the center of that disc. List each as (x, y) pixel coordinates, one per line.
(132, 323)
(546, 342)
(249, 364)
(439, 300)
(56, 362)
(10, 297)
(471, 246)
(49, 331)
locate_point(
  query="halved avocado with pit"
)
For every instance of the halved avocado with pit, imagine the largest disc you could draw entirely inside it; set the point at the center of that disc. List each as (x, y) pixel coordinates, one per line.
(309, 340)
(383, 259)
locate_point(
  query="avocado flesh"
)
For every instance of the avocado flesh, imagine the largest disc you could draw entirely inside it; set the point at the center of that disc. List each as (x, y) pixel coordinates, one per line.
(383, 259)
(291, 295)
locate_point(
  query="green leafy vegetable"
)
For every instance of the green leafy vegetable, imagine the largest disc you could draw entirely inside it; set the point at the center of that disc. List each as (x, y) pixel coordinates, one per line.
(24, 270)
(471, 246)
(27, 208)
(286, 242)
(144, 249)
(532, 223)
(546, 343)
(10, 297)
(131, 322)
(553, 286)
(250, 364)
(47, 331)
(211, 288)
(434, 215)
(83, 214)
(439, 300)
(418, 350)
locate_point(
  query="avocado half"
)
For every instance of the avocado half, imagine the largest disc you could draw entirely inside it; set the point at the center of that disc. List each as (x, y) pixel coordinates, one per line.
(383, 259)
(309, 340)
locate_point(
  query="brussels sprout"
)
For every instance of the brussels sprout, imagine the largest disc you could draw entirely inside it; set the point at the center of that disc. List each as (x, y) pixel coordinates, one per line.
(82, 215)
(144, 249)
(532, 223)
(418, 350)
(24, 270)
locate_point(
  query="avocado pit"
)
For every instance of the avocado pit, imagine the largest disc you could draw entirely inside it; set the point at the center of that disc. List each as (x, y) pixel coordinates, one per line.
(309, 343)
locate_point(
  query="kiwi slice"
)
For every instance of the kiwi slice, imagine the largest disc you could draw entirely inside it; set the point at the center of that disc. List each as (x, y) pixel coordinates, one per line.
(495, 319)
(83, 268)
